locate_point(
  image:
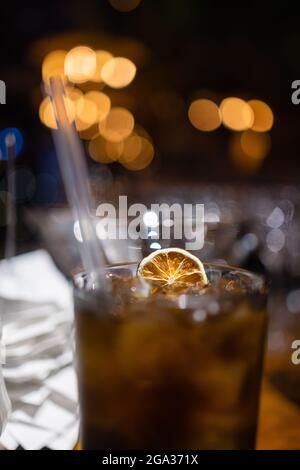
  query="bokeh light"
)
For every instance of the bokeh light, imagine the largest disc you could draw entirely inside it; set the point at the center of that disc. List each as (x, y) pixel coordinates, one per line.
(114, 150)
(118, 125)
(236, 114)
(80, 64)
(248, 150)
(103, 151)
(275, 240)
(293, 301)
(255, 145)
(73, 93)
(86, 113)
(101, 58)
(118, 72)
(135, 161)
(124, 5)
(263, 116)
(132, 148)
(53, 64)
(276, 218)
(204, 115)
(17, 139)
(150, 219)
(47, 113)
(101, 101)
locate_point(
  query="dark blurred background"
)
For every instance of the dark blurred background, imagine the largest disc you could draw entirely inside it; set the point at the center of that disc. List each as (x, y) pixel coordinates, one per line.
(183, 51)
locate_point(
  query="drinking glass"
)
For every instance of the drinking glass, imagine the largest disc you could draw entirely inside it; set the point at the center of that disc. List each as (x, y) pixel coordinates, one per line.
(166, 372)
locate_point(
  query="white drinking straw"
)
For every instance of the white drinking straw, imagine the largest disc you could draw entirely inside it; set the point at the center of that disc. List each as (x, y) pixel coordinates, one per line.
(75, 176)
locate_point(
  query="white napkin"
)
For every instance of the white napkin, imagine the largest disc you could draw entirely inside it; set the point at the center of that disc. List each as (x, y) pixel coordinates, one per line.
(33, 277)
(37, 311)
(5, 406)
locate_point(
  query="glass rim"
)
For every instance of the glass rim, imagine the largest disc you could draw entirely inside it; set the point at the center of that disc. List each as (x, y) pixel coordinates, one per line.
(258, 284)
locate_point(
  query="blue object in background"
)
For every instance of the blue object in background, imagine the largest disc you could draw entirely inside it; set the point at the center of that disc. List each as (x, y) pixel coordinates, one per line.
(19, 141)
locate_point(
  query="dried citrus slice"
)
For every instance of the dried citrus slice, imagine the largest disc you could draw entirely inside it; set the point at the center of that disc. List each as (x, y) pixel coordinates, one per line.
(173, 269)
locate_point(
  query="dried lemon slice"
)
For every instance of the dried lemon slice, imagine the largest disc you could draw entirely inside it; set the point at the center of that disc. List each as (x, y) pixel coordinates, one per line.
(173, 269)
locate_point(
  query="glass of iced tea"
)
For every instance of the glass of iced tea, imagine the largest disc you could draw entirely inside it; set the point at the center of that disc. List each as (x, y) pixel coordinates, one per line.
(170, 369)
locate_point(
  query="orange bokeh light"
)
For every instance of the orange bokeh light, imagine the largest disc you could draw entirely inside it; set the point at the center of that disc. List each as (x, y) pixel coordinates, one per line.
(103, 151)
(248, 150)
(80, 64)
(101, 58)
(114, 150)
(138, 153)
(132, 148)
(236, 114)
(53, 64)
(118, 72)
(86, 113)
(101, 101)
(118, 125)
(73, 93)
(263, 116)
(47, 113)
(204, 115)
(255, 145)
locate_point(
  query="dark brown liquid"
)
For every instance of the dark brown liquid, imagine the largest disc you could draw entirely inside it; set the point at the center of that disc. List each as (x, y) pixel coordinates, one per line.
(160, 377)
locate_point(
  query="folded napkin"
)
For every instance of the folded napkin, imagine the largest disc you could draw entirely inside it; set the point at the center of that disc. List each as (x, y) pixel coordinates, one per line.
(37, 315)
(5, 406)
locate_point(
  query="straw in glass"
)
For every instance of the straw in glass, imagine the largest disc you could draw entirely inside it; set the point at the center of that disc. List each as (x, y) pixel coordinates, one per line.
(75, 176)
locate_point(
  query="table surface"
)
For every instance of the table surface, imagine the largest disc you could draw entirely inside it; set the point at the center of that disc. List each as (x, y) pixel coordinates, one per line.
(279, 421)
